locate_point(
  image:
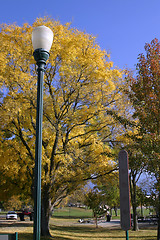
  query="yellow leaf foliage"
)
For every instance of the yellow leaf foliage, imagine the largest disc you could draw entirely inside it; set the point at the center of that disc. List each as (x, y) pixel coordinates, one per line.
(80, 87)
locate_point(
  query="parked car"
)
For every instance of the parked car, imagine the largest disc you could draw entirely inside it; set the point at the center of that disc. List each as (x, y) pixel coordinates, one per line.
(11, 215)
(26, 212)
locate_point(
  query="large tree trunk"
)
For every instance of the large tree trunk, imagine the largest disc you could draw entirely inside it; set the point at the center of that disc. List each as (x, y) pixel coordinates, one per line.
(135, 221)
(134, 203)
(141, 209)
(96, 220)
(158, 230)
(115, 210)
(45, 214)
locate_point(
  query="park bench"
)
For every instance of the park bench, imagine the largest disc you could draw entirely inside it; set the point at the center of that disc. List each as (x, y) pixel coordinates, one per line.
(141, 219)
(153, 219)
(9, 236)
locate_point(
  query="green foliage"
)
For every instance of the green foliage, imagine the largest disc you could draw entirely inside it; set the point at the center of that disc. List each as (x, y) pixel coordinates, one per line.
(109, 188)
(95, 201)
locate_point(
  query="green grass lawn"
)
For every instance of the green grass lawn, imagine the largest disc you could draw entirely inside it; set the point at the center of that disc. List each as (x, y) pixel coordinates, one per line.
(73, 212)
(81, 232)
(64, 226)
(91, 233)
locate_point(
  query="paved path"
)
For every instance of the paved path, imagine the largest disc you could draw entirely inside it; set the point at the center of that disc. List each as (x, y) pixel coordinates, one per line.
(111, 224)
(115, 224)
(102, 223)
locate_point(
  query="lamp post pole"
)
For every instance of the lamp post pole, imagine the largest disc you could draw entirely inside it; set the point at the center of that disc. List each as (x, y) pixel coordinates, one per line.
(38, 151)
(41, 54)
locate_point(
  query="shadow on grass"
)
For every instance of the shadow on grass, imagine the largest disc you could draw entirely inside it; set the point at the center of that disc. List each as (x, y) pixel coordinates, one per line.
(25, 236)
(84, 232)
(29, 236)
(67, 233)
(80, 232)
(88, 232)
(16, 224)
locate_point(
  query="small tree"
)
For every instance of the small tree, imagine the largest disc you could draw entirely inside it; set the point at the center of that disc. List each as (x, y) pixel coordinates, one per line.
(94, 200)
(109, 188)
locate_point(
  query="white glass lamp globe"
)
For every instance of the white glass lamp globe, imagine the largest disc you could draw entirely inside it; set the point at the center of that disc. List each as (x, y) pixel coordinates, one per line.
(42, 37)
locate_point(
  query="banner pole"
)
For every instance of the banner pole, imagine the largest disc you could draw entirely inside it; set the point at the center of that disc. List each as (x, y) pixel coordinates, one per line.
(127, 235)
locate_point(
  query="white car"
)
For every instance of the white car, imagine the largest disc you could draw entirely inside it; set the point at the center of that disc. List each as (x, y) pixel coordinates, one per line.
(11, 215)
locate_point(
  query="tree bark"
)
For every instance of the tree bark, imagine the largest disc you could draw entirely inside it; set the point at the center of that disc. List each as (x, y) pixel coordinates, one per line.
(96, 221)
(45, 214)
(158, 230)
(134, 203)
(115, 210)
(141, 209)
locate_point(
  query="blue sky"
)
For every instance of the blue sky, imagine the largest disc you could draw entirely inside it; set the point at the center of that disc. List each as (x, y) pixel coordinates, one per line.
(122, 27)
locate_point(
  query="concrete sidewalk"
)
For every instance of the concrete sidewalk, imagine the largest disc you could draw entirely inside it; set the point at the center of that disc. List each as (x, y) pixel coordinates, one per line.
(103, 223)
(112, 224)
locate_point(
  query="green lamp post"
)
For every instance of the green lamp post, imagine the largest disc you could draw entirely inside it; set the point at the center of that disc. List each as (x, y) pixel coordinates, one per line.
(42, 38)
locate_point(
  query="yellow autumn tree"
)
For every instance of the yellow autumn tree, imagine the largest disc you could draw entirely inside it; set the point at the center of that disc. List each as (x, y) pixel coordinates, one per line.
(82, 94)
